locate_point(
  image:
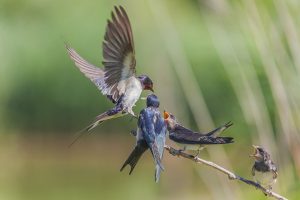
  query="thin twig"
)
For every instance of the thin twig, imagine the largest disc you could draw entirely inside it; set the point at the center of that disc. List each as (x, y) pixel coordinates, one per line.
(230, 174)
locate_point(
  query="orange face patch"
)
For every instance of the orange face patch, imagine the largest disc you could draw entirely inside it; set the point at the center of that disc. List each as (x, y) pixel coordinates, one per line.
(166, 115)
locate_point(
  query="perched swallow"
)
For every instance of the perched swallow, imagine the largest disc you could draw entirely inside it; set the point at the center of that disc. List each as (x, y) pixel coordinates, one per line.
(118, 80)
(151, 133)
(264, 170)
(195, 141)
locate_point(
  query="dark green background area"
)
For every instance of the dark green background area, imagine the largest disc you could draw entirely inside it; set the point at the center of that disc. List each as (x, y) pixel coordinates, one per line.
(239, 57)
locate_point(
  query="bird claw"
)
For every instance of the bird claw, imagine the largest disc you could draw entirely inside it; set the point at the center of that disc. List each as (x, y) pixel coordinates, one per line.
(268, 192)
(133, 132)
(196, 156)
(175, 152)
(133, 115)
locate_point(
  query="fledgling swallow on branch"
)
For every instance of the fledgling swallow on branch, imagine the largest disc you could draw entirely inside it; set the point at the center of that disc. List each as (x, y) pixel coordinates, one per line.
(264, 170)
(195, 141)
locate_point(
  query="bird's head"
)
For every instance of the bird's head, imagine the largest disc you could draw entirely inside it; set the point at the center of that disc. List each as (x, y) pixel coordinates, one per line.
(170, 120)
(259, 154)
(146, 82)
(152, 101)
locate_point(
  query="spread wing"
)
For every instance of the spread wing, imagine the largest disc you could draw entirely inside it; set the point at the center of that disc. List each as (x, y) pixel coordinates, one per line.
(118, 53)
(92, 72)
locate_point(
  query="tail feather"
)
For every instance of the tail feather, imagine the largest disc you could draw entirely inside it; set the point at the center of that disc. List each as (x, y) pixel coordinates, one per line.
(158, 165)
(224, 140)
(219, 130)
(158, 171)
(134, 157)
(98, 120)
(156, 156)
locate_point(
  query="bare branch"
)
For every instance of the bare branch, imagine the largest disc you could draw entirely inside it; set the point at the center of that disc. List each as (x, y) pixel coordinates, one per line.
(230, 174)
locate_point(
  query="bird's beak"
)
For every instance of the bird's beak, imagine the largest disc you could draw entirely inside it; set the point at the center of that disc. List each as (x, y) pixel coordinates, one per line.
(151, 89)
(255, 153)
(166, 115)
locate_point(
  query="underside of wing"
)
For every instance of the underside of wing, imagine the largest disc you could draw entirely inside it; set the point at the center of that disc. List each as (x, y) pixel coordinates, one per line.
(118, 53)
(92, 72)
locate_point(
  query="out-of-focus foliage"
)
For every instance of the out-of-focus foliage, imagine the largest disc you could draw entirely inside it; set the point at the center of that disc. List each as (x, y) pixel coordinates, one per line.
(211, 62)
(43, 91)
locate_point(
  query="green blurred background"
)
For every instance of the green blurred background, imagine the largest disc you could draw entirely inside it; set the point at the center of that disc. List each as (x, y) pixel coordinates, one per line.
(211, 62)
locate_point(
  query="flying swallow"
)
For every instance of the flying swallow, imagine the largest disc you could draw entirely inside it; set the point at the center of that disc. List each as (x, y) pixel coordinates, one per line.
(150, 134)
(118, 80)
(195, 141)
(264, 170)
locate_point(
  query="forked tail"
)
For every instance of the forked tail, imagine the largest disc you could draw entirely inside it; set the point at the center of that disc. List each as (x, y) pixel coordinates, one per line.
(98, 120)
(135, 156)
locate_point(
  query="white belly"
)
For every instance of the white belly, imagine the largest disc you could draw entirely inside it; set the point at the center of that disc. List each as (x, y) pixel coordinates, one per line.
(191, 147)
(265, 179)
(132, 93)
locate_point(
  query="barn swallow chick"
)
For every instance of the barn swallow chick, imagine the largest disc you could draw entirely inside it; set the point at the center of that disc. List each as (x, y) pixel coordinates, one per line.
(264, 170)
(118, 80)
(150, 134)
(195, 141)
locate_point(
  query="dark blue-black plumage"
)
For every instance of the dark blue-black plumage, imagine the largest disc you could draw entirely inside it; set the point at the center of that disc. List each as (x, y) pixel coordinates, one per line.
(151, 133)
(190, 140)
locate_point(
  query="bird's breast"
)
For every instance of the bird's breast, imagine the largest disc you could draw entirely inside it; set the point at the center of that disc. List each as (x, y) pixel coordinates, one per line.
(264, 178)
(132, 92)
(190, 147)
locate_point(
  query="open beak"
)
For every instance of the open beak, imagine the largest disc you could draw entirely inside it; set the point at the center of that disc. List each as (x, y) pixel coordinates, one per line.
(255, 153)
(166, 115)
(151, 89)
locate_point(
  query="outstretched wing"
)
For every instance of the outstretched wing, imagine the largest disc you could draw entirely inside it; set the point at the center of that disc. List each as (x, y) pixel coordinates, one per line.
(92, 72)
(118, 53)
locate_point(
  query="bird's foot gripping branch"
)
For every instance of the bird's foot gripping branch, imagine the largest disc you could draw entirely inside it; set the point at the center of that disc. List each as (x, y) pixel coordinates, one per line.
(231, 175)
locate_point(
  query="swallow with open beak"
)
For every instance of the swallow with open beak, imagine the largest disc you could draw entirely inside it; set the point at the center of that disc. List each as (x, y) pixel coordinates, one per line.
(195, 141)
(118, 80)
(264, 170)
(150, 134)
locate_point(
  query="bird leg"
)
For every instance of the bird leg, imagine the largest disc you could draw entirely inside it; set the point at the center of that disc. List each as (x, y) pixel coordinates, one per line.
(198, 152)
(268, 190)
(133, 132)
(130, 111)
(176, 152)
(133, 117)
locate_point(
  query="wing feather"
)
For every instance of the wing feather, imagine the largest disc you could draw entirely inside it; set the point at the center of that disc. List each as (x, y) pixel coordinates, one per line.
(118, 53)
(118, 57)
(95, 74)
